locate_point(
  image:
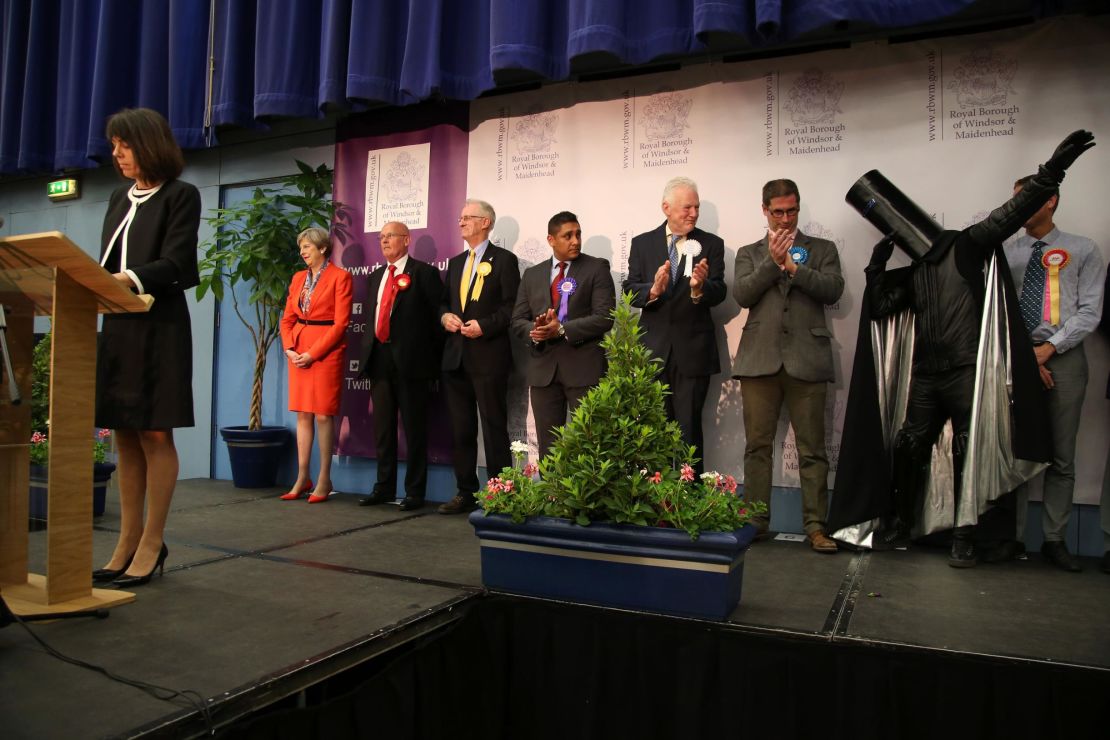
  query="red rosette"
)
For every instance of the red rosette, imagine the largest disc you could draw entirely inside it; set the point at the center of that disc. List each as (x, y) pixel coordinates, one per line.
(403, 282)
(1057, 258)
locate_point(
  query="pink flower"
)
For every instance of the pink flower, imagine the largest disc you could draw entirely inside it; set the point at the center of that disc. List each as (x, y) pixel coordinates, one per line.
(489, 497)
(507, 486)
(530, 470)
(103, 433)
(687, 473)
(657, 478)
(38, 438)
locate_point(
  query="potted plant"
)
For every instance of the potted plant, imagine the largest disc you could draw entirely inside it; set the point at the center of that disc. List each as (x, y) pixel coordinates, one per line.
(40, 442)
(617, 515)
(255, 244)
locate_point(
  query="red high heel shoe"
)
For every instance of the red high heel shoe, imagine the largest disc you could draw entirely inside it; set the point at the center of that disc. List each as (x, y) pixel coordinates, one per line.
(295, 494)
(314, 499)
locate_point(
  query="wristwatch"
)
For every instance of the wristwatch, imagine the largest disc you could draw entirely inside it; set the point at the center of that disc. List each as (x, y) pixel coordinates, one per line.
(562, 332)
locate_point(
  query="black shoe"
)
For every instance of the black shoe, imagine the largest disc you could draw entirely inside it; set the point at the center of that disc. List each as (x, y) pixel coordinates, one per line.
(378, 496)
(1106, 562)
(106, 575)
(1005, 551)
(1056, 552)
(963, 553)
(409, 503)
(126, 581)
(894, 538)
(461, 504)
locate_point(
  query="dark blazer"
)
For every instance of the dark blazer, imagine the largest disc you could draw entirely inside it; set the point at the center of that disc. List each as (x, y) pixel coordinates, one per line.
(489, 354)
(673, 323)
(589, 315)
(786, 325)
(415, 335)
(162, 240)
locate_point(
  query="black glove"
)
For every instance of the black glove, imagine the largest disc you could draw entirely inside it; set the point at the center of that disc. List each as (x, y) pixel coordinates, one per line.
(1069, 150)
(882, 251)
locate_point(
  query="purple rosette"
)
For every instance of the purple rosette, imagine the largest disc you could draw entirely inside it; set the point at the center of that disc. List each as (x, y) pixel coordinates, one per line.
(566, 290)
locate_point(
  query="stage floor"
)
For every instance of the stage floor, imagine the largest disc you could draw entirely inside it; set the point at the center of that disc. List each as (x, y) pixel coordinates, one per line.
(262, 598)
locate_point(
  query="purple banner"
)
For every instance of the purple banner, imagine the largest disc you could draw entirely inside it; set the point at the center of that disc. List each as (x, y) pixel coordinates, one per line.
(417, 177)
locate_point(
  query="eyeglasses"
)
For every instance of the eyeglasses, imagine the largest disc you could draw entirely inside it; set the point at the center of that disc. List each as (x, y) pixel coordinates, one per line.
(780, 213)
(392, 236)
(469, 218)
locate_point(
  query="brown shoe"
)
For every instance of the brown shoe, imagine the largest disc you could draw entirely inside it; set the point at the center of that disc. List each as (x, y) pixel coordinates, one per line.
(820, 543)
(461, 504)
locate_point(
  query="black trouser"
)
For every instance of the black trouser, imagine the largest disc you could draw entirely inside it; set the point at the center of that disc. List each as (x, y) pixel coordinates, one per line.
(934, 399)
(393, 392)
(470, 397)
(684, 404)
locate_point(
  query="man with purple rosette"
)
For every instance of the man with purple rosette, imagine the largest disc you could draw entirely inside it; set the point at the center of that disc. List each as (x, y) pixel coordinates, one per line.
(676, 273)
(563, 309)
(1059, 281)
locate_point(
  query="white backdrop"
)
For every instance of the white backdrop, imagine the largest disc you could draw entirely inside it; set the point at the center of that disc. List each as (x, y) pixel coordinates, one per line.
(953, 122)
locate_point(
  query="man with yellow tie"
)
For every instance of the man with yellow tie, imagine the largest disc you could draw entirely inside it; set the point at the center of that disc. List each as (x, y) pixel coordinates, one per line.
(476, 309)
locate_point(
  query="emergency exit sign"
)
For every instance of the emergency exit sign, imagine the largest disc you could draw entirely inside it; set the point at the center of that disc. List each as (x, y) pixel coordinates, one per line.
(62, 189)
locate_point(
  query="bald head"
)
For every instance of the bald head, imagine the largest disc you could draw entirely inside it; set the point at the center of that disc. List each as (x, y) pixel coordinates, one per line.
(395, 241)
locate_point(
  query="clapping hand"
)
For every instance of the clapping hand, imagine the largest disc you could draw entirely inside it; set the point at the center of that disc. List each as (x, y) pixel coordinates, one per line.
(662, 281)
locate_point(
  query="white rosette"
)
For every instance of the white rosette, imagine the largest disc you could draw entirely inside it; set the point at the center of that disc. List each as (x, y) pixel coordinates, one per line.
(691, 248)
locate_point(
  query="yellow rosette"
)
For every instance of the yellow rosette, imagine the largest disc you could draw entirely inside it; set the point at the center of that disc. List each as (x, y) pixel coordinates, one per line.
(484, 269)
(1053, 260)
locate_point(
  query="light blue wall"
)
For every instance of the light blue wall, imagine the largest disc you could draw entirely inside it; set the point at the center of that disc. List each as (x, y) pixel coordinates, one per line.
(26, 210)
(221, 375)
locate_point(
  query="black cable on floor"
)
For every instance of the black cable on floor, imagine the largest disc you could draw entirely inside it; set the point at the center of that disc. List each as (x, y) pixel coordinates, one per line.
(162, 693)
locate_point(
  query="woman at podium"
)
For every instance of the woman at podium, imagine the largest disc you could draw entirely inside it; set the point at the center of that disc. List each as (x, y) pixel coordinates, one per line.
(144, 384)
(314, 335)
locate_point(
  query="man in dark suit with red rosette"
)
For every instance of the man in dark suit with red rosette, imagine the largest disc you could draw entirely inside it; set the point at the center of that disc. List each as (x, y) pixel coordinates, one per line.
(563, 309)
(677, 273)
(475, 309)
(401, 357)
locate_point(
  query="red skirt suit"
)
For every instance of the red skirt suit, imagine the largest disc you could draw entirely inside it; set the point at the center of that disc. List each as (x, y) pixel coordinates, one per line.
(316, 389)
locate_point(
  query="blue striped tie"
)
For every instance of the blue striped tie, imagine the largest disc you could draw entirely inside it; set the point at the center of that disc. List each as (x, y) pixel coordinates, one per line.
(673, 254)
(1032, 289)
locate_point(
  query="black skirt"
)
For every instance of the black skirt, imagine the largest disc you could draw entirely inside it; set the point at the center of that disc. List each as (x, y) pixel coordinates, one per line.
(144, 368)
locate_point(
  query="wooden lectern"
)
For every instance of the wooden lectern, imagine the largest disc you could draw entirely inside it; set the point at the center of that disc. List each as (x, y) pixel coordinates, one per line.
(47, 274)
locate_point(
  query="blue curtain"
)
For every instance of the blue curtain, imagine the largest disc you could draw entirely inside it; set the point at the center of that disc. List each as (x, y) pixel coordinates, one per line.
(66, 65)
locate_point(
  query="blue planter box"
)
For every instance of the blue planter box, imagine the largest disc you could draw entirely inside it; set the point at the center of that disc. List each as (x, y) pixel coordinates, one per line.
(646, 568)
(40, 474)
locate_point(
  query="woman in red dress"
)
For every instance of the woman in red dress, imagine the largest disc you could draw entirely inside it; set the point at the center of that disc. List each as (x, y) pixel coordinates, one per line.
(314, 334)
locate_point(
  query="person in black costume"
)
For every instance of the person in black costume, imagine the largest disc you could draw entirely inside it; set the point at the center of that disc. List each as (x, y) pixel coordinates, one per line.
(945, 289)
(144, 360)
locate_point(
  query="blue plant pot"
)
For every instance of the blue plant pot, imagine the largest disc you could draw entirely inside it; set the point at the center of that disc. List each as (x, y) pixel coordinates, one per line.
(255, 455)
(645, 568)
(102, 473)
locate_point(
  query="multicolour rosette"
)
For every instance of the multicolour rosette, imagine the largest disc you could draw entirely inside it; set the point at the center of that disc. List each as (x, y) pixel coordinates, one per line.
(799, 254)
(484, 269)
(566, 290)
(402, 282)
(691, 248)
(1053, 260)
